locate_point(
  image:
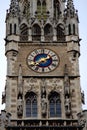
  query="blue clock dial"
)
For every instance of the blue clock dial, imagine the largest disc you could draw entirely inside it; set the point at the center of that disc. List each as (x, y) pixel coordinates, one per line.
(43, 60)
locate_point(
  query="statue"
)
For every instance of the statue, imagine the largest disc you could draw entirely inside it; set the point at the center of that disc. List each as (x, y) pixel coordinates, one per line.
(44, 105)
(20, 107)
(20, 110)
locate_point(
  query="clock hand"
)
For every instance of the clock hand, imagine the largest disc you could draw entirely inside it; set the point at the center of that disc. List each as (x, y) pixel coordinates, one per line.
(44, 59)
(41, 60)
(34, 63)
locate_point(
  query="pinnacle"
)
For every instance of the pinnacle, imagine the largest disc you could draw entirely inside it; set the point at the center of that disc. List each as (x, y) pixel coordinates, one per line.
(70, 8)
(13, 7)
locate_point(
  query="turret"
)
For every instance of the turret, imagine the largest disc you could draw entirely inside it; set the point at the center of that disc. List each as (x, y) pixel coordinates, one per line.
(12, 21)
(71, 20)
(12, 35)
(72, 35)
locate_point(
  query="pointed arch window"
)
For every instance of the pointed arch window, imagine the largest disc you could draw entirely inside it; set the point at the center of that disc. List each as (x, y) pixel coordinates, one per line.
(36, 32)
(31, 105)
(38, 6)
(56, 9)
(48, 32)
(23, 32)
(54, 105)
(44, 6)
(60, 33)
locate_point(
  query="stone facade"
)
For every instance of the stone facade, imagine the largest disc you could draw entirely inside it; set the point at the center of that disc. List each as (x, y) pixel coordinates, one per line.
(43, 81)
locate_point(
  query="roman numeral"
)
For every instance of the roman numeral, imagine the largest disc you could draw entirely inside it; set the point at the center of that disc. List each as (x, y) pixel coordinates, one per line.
(42, 50)
(53, 64)
(36, 68)
(42, 69)
(36, 51)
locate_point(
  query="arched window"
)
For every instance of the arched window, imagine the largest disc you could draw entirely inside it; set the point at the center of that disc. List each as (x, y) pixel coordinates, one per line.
(48, 32)
(56, 8)
(36, 32)
(38, 6)
(31, 104)
(44, 6)
(60, 33)
(54, 104)
(23, 32)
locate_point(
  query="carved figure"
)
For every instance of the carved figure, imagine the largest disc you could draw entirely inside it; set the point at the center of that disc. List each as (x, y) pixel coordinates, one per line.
(20, 110)
(44, 105)
(20, 107)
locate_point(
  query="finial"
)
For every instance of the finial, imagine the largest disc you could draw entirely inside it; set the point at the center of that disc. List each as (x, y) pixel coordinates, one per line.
(70, 8)
(14, 10)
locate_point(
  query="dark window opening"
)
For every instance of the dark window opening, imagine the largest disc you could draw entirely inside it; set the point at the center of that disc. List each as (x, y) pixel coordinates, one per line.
(74, 29)
(56, 9)
(36, 32)
(23, 32)
(10, 29)
(48, 32)
(14, 28)
(69, 29)
(60, 34)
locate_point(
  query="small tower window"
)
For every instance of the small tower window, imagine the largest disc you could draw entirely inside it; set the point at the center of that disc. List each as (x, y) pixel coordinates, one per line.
(14, 28)
(74, 29)
(10, 29)
(31, 104)
(54, 105)
(69, 29)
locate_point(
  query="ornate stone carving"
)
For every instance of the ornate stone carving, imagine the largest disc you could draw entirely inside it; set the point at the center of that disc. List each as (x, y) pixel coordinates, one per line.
(67, 106)
(20, 107)
(66, 81)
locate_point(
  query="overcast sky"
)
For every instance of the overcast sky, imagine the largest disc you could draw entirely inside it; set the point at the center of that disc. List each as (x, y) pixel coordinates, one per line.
(81, 6)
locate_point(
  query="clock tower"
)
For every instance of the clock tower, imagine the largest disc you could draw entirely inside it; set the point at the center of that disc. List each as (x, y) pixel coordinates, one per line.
(43, 81)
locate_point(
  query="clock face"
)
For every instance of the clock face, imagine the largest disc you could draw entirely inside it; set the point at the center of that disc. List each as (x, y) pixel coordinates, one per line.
(43, 60)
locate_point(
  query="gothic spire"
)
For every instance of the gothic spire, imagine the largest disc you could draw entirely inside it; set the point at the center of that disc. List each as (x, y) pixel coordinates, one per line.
(14, 8)
(70, 8)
